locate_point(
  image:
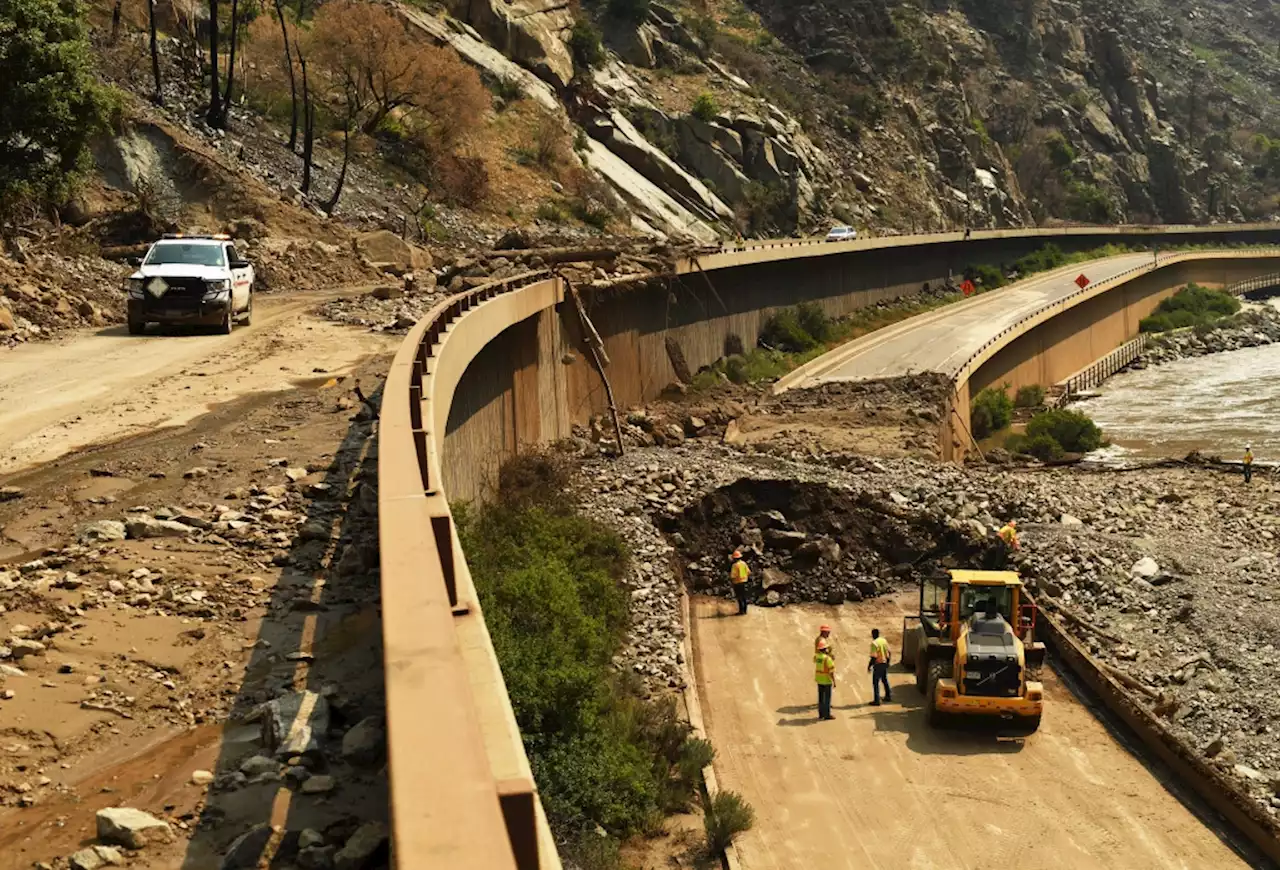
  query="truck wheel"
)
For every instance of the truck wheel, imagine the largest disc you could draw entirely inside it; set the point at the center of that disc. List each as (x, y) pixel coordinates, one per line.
(246, 318)
(228, 322)
(937, 670)
(137, 327)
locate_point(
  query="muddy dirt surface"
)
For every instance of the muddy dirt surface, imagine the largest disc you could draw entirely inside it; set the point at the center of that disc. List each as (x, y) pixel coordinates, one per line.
(879, 788)
(189, 626)
(97, 386)
(895, 418)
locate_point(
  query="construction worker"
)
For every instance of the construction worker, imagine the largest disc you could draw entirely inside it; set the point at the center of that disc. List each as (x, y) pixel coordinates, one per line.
(878, 665)
(824, 671)
(1009, 534)
(1248, 464)
(824, 636)
(738, 575)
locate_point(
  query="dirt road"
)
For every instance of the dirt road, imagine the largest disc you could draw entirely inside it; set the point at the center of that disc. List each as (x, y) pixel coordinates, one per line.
(100, 386)
(878, 789)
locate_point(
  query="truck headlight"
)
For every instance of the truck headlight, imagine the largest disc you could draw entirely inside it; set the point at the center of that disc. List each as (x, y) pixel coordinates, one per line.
(134, 287)
(215, 290)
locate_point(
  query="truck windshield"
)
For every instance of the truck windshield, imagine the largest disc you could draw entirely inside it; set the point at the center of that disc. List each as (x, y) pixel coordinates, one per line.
(178, 254)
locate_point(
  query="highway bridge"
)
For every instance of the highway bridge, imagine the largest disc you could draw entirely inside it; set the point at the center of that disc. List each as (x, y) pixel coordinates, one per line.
(503, 366)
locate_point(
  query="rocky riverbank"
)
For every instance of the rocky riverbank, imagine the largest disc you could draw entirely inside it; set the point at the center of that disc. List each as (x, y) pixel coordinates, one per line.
(1256, 326)
(1152, 563)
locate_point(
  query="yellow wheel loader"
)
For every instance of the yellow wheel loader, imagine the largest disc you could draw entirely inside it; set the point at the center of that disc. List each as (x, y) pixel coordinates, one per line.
(974, 652)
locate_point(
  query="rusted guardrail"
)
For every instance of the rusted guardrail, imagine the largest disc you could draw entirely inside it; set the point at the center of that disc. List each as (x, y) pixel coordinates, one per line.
(462, 794)
(1214, 787)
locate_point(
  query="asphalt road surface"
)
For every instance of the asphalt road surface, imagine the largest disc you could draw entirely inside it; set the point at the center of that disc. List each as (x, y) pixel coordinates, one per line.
(942, 340)
(878, 789)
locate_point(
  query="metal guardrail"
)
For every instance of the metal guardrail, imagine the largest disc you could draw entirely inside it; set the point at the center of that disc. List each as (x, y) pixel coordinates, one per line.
(1100, 370)
(449, 721)
(1259, 283)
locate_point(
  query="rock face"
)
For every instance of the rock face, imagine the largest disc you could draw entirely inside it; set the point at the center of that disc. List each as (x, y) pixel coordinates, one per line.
(531, 32)
(132, 828)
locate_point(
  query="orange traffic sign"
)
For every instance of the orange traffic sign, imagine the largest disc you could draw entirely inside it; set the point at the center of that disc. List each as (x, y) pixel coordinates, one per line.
(1081, 281)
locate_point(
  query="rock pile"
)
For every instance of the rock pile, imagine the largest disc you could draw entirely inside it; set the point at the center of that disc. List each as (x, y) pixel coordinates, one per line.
(49, 294)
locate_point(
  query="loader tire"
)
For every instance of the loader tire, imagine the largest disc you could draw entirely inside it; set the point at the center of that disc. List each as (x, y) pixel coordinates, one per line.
(910, 648)
(922, 671)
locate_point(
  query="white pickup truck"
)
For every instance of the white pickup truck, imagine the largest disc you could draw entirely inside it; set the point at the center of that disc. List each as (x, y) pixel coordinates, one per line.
(198, 280)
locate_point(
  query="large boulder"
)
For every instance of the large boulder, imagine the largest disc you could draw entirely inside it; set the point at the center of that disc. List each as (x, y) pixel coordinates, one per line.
(293, 724)
(386, 249)
(530, 32)
(728, 141)
(132, 828)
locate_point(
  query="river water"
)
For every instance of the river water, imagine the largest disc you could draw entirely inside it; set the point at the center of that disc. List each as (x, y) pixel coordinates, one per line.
(1217, 404)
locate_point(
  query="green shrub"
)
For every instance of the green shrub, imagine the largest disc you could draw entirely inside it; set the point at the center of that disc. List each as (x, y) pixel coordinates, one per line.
(990, 411)
(1088, 202)
(549, 581)
(988, 276)
(705, 108)
(1193, 305)
(784, 331)
(1071, 429)
(1043, 260)
(815, 321)
(1029, 397)
(1061, 152)
(585, 45)
(632, 11)
(727, 816)
(1042, 447)
(553, 212)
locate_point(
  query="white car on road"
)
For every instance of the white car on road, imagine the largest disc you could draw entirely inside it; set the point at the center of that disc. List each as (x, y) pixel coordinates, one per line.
(842, 234)
(198, 280)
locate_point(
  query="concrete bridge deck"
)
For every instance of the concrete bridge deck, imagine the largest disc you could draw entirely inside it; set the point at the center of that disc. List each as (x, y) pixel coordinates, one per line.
(943, 340)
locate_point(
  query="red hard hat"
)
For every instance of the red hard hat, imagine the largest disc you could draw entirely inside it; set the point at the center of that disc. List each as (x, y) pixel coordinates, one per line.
(737, 554)
(824, 628)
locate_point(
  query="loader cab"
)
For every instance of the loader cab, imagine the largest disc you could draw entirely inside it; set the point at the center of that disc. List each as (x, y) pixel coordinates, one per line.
(948, 603)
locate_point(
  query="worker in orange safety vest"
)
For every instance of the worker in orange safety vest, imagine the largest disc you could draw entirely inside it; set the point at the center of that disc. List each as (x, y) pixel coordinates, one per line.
(738, 575)
(824, 671)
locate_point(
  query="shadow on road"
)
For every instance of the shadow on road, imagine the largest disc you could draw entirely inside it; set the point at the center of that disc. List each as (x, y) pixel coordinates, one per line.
(319, 644)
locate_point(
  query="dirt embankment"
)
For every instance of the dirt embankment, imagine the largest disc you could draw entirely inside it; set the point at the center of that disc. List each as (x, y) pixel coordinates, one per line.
(170, 608)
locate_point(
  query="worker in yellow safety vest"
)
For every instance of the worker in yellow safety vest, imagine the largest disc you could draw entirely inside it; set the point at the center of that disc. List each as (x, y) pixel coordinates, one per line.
(1009, 534)
(824, 671)
(878, 665)
(1248, 464)
(738, 575)
(824, 636)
